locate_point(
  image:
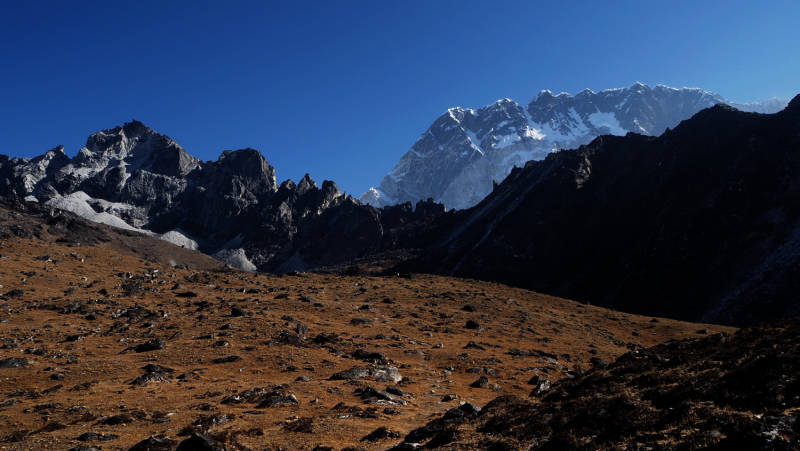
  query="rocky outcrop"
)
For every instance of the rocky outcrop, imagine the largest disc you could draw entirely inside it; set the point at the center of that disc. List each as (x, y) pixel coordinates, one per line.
(135, 178)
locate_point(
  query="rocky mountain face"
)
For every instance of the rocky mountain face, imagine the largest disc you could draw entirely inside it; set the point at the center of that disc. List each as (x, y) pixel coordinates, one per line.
(459, 157)
(135, 178)
(700, 223)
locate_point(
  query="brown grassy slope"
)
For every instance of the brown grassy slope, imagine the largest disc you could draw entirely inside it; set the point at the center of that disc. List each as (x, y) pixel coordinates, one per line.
(73, 315)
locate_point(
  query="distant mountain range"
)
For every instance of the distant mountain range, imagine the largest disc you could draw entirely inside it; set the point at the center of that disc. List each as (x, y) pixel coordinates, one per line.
(457, 160)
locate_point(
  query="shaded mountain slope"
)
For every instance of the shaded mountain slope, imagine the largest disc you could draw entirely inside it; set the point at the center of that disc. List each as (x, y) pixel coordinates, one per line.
(700, 222)
(719, 392)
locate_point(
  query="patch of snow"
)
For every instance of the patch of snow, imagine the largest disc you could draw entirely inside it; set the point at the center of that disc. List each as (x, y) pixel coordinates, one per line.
(639, 126)
(505, 141)
(533, 133)
(534, 129)
(82, 173)
(236, 258)
(31, 199)
(180, 238)
(77, 203)
(476, 143)
(376, 198)
(576, 117)
(607, 121)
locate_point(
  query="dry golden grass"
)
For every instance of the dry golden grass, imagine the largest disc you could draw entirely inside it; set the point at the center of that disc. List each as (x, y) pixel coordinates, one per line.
(76, 321)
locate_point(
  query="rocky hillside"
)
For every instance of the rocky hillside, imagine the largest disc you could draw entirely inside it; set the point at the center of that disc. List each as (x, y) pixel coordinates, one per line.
(699, 223)
(106, 346)
(464, 151)
(137, 179)
(719, 392)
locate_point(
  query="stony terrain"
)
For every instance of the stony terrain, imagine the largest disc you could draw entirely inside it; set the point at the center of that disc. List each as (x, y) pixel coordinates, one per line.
(717, 392)
(104, 347)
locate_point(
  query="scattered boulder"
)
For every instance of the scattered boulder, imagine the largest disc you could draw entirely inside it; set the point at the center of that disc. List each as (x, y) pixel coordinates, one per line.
(473, 325)
(122, 418)
(473, 345)
(482, 382)
(149, 377)
(13, 362)
(465, 410)
(374, 357)
(379, 434)
(541, 385)
(200, 442)
(597, 362)
(381, 373)
(93, 437)
(384, 373)
(245, 396)
(229, 359)
(357, 372)
(376, 396)
(277, 401)
(151, 345)
(397, 392)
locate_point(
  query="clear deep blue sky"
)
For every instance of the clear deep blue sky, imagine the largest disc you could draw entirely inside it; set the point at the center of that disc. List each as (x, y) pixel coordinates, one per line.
(342, 89)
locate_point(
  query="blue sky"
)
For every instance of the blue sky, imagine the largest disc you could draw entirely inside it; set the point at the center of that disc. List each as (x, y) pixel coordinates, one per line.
(342, 89)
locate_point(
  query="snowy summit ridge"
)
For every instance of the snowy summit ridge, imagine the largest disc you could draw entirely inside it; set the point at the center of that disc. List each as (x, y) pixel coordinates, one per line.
(459, 157)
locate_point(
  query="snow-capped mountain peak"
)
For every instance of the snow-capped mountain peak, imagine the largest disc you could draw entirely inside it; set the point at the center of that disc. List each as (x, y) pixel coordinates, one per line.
(459, 157)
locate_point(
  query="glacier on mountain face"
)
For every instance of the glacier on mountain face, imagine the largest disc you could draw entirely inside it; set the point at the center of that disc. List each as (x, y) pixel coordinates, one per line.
(78, 203)
(464, 151)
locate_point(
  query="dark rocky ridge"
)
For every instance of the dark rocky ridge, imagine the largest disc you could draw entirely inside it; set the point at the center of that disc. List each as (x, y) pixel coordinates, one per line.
(232, 207)
(699, 223)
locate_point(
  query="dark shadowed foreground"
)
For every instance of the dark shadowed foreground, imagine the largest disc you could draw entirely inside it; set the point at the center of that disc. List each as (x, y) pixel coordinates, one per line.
(718, 392)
